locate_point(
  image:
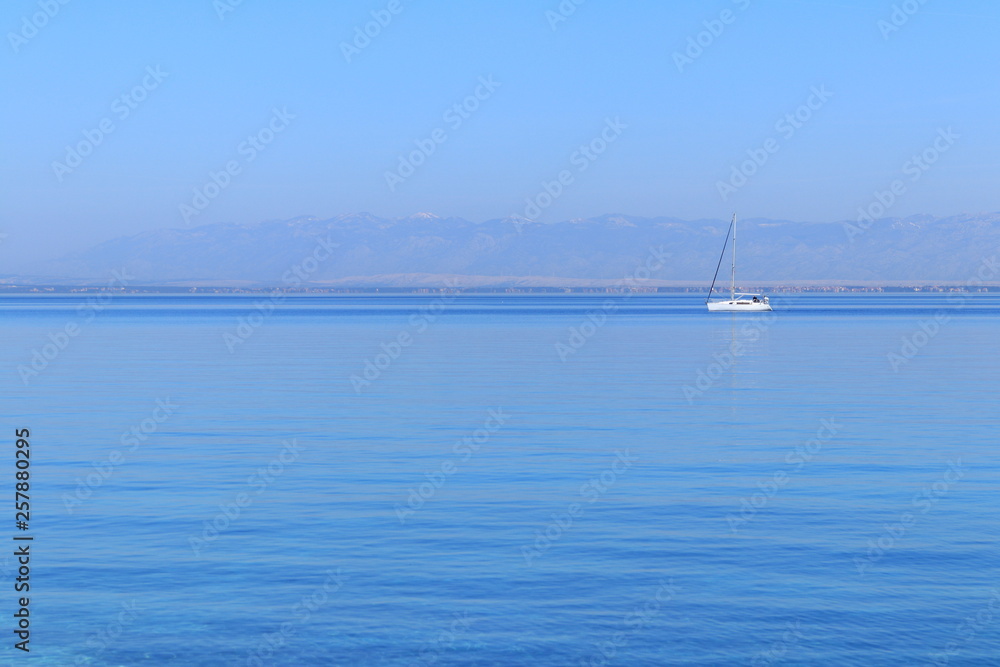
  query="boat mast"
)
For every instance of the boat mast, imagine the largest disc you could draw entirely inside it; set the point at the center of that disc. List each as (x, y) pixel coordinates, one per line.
(722, 256)
(732, 285)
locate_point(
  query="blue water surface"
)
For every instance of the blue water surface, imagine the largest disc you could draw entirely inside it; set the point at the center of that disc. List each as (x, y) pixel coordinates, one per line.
(506, 480)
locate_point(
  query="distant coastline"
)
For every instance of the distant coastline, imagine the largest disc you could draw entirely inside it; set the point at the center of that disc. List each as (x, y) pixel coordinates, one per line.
(362, 251)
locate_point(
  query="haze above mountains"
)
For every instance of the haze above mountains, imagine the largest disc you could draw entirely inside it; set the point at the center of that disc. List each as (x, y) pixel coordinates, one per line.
(425, 250)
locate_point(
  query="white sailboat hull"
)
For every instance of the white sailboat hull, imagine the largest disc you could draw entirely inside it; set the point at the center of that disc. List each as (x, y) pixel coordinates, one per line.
(738, 306)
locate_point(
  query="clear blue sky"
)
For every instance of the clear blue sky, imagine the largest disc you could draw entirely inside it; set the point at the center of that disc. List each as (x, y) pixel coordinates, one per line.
(891, 94)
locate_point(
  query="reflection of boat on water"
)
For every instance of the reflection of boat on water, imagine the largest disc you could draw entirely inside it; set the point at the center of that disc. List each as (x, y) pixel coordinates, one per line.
(736, 302)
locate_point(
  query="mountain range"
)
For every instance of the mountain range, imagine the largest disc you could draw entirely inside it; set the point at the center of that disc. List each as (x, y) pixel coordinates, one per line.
(427, 250)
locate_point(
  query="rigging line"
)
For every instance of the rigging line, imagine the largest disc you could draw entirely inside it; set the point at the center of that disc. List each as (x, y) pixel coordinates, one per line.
(721, 255)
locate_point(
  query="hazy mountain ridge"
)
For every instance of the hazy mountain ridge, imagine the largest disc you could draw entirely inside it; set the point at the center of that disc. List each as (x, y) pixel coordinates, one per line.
(596, 249)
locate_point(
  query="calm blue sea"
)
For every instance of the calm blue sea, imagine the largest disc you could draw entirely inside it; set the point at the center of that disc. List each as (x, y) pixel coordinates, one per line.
(505, 480)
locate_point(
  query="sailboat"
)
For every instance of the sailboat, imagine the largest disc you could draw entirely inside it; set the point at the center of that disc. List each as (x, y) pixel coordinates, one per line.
(741, 302)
